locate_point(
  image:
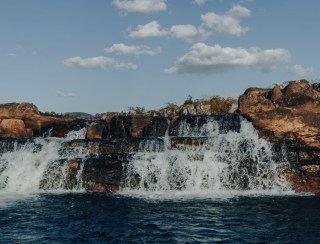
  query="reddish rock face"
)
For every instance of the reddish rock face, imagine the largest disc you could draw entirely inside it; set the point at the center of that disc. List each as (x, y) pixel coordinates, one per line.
(96, 131)
(14, 128)
(17, 110)
(303, 182)
(279, 112)
(254, 100)
(292, 116)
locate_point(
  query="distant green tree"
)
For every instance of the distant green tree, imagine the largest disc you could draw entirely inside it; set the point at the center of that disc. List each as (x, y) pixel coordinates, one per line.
(137, 110)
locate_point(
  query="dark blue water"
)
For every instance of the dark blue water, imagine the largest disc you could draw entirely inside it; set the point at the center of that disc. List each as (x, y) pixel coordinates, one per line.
(108, 218)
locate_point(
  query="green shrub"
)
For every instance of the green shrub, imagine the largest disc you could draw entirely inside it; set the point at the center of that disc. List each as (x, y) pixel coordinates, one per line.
(137, 110)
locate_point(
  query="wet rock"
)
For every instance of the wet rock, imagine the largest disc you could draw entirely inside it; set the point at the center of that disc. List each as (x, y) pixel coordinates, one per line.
(128, 126)
(74, 166)
(303, 183)
(97, 130)
(183, 142)
(61, 127)
(191, 125)
(157, 127)
(229, 122)
(102, 174)
(103, 147)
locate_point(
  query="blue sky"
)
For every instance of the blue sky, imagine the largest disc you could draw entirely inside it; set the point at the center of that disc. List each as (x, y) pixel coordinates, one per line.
(105, 55)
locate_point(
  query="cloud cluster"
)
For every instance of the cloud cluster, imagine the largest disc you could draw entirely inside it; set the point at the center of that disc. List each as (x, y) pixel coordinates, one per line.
(228, 23)
(66, 94)
(152, 29)
(189, 33)
(299, 70)
(140, 6)
(201, 58)
(99, 62)
(122, 49)
(216, 59)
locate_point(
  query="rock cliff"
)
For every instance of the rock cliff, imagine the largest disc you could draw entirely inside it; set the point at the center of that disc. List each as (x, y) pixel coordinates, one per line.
(289, 117)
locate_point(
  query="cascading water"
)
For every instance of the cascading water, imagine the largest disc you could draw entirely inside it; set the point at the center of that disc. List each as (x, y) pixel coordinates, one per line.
(198, 155)
(39, 164)
(221, 162)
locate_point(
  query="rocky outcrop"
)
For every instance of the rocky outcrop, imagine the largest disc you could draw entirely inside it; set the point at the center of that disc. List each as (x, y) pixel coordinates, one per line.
(21, 120)
(18, 110)
(289, 117)
(291, 113)
(14, 128)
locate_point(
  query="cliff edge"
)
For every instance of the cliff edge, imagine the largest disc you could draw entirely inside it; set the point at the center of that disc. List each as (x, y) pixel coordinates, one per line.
(289, 117)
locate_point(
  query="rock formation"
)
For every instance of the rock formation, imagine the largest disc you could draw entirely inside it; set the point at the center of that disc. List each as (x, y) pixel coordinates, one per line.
(290, 118)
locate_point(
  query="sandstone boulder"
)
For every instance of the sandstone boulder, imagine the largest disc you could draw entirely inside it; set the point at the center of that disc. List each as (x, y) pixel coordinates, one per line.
(277, 112)
(14, 128)
(17, 110)
(255, 100)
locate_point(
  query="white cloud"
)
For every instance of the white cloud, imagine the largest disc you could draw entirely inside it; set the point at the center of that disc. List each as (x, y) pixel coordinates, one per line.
(141, 6)
(12, 55)
(151, 29)
(99, 62)
(216, 59)
(199, 2)
(189, 33)
(120, 48)
(239, 11)
(299, 70)
(229, 23)
(65, 94)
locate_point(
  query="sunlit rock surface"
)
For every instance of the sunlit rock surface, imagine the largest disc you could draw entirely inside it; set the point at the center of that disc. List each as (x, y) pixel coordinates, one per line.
(289, 118)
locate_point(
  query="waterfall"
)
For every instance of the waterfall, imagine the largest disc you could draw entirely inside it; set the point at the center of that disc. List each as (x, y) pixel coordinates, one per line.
(40, 163)
(197, 154)
(205, 158)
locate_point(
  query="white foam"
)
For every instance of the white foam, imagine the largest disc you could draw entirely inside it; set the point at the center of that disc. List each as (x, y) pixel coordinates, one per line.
(227, 163)
(24, 169)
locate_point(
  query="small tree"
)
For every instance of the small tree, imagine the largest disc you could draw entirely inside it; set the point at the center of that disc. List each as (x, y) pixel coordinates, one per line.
(137, 110)
(171, 108)
(189, 100)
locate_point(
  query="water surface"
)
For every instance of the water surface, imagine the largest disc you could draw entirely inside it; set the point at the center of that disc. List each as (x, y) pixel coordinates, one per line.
(115, 218)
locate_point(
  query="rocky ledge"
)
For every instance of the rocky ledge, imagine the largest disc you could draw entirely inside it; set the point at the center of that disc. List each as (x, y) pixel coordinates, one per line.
(288, 117)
